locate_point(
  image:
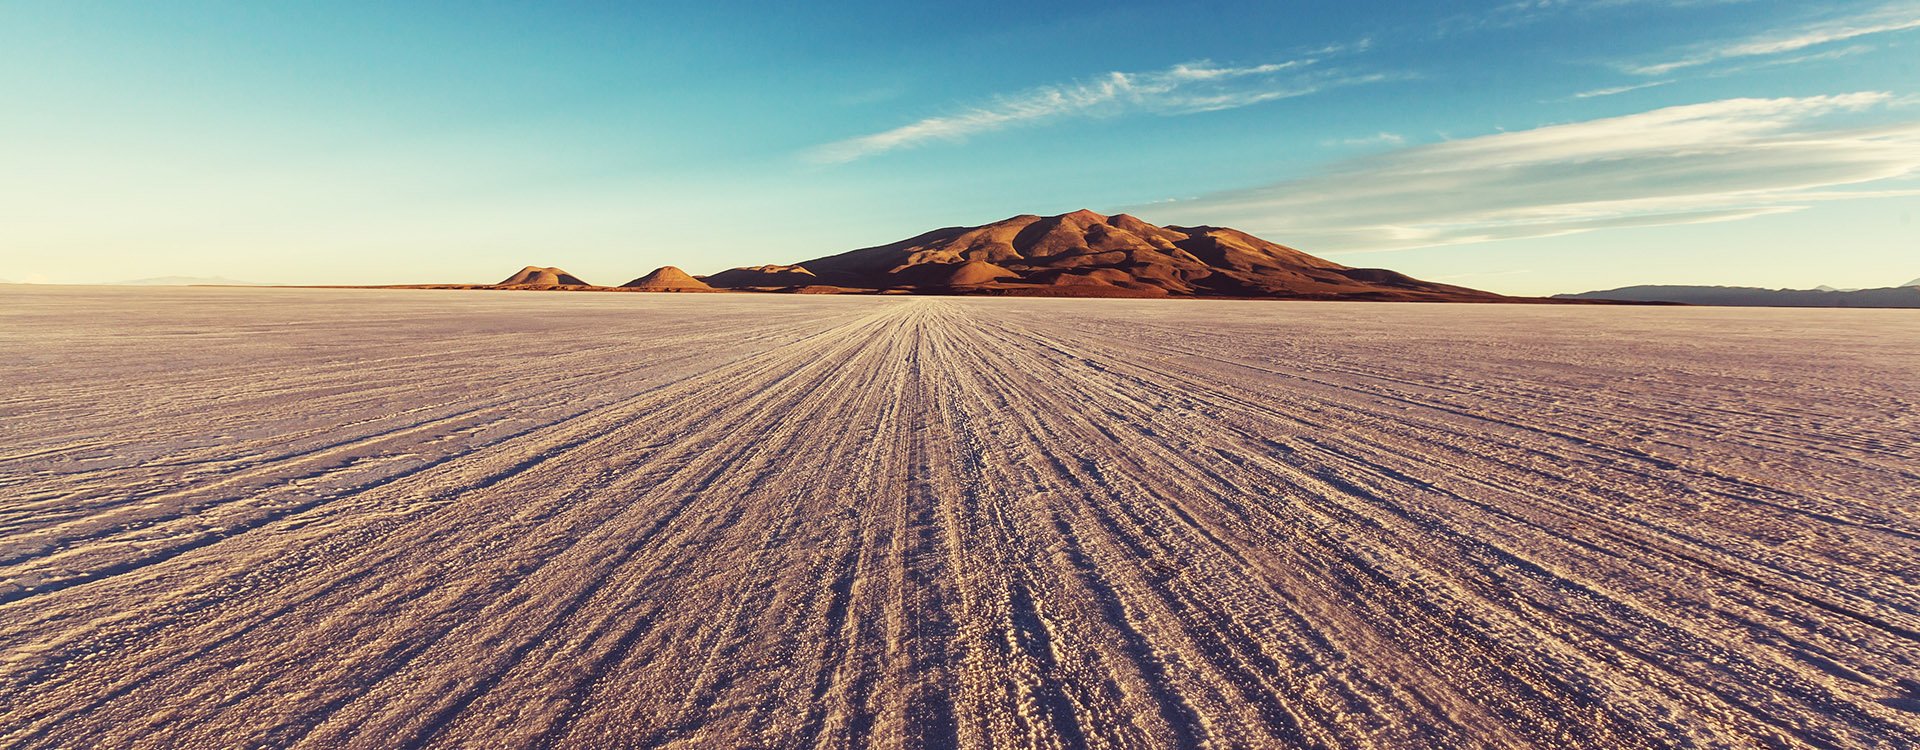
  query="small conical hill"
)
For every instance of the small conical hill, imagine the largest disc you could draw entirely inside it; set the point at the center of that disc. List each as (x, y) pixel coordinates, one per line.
(538, 276)
(667, 279)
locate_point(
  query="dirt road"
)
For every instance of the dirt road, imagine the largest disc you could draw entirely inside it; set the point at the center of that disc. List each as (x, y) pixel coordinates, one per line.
(333, 518)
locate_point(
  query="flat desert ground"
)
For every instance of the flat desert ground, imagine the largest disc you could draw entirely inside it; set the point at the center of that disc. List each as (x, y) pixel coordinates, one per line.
(366, 518)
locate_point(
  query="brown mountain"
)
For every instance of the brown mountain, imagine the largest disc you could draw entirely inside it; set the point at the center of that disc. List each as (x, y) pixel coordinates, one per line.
(667, 279)
(535, 276)
(1086, 254)
(771, 276)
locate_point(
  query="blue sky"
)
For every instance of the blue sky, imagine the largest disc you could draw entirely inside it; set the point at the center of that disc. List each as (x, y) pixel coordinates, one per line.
(1525, 147)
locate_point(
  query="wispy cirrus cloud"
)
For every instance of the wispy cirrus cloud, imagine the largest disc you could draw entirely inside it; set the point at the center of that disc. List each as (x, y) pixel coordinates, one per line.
(1187, 88)
(1377, 139)
(1612, 90)
(1893, 17)
(1716, 161)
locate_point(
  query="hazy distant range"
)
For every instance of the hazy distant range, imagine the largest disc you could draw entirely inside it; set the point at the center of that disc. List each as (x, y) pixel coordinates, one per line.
(187, 281)
(1904, 296)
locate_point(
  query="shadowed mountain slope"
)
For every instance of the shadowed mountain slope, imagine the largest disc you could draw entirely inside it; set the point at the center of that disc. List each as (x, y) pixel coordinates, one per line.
(771, 276)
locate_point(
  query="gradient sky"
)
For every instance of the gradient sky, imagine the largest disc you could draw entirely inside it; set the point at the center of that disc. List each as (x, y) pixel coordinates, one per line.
(1526, 147)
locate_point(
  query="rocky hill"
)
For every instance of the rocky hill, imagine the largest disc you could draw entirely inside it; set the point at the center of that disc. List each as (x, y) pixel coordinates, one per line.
(1085, 254)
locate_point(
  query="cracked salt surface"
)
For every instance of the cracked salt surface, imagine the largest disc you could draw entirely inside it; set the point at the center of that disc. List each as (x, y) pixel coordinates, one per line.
(409, 518)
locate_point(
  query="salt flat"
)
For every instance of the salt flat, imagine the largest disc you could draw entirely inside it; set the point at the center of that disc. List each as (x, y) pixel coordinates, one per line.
(355, 518)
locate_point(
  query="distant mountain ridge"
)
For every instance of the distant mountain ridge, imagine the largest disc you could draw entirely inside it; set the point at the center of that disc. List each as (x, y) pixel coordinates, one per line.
(185, 281)
(1907, 296)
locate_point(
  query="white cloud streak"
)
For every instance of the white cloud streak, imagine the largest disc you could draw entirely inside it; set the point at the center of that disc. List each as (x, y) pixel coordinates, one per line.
(1889, 18)
(1718, 161)
(1610, 91)
(1377, 139)
(1187, 88)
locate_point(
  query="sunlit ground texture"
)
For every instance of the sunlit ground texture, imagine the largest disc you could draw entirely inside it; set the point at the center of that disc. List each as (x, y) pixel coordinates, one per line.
(352, 518)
